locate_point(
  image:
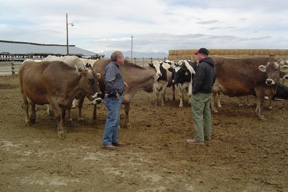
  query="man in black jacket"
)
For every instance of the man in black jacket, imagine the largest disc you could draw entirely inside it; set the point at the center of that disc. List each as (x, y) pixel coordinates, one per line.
(201, 98)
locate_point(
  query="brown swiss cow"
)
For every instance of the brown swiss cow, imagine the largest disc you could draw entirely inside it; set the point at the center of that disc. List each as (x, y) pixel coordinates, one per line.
(240, 77)
(137, 78)
(55, 83)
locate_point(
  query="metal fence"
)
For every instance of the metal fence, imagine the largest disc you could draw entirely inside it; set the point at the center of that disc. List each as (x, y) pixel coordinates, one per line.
(11, 66)
(144, 62)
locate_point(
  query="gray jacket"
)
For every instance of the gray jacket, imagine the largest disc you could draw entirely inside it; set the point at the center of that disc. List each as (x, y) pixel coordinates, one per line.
(113, 79)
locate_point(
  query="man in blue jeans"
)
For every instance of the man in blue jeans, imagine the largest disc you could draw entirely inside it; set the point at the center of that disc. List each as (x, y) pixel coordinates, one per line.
(114, 88)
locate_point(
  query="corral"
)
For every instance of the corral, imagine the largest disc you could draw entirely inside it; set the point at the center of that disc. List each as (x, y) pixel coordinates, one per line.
(245, 154)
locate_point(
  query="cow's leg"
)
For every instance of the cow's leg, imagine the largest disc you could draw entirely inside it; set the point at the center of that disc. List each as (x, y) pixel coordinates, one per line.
(218, 99)
(127, 122)
(181, 95)
(58, 116)
(248, 102)
(80, 104)
(69, 117)
(270, 102)
(49, 110)
(26, 109)
(95, 112)
(33, 113)
(74, 103)
(173, 91)
(190, 92)
(163, 92)
(260, 93)
(213, 106)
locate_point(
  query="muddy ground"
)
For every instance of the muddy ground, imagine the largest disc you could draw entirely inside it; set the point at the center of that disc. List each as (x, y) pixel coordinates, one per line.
(245, 154)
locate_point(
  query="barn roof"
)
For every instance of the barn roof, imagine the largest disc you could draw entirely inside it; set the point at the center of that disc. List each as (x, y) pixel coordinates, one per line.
(17, 47)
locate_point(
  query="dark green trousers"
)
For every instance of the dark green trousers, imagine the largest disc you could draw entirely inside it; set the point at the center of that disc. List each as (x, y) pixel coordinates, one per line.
(201, 115)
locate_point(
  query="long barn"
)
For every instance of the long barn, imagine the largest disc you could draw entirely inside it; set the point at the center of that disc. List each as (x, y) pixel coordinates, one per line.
(19, 49)
(12, 53)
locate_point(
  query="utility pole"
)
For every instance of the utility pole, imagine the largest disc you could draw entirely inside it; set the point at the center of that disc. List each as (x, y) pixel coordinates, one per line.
(67, 37)
(131, 47)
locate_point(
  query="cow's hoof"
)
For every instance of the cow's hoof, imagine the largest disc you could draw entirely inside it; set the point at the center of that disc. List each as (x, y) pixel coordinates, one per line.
(262, 118)
(61, 135)
(215, 111)
(80, 119)
(128, 126)
(50, 113)
(27, 122)
(270, 107)
(32, 121)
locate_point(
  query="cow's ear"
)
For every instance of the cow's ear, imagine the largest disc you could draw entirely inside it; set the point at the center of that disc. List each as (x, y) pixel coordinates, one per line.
(284, 68)
(262, 68)
(98, 75)
(78, 70)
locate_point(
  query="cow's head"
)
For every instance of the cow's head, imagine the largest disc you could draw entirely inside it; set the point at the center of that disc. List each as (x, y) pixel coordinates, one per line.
(283, 62)
(156, 66)
(183, 71)
(88, 65)
(272, 69)
(89, 84)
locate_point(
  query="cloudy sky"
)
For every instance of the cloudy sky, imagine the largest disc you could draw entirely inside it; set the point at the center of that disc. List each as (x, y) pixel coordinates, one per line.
(156, 25)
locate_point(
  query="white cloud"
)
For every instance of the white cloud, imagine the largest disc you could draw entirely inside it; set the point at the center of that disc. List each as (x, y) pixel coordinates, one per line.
(157, 25)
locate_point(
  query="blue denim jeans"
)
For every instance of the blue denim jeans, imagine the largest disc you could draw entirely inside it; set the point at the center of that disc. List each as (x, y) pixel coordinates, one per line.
(111, 127)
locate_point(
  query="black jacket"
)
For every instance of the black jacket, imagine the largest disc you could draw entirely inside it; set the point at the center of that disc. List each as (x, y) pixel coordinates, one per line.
(204, 77)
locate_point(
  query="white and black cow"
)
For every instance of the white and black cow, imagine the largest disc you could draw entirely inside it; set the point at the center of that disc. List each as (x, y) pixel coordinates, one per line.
(164, 70)
(182, 77)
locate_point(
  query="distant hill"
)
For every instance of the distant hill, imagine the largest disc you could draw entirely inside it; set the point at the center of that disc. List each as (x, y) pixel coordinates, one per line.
(138, 54)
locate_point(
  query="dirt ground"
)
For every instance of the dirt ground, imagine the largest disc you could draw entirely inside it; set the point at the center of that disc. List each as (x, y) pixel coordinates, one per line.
(245, 154)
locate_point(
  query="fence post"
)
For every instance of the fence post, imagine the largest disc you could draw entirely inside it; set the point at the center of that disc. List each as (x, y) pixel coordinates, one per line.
(12, 65)
(135, 59)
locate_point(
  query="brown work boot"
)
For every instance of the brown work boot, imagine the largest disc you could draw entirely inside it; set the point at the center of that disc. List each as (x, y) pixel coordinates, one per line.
(109, 147)
(118, 144)
(194, 141)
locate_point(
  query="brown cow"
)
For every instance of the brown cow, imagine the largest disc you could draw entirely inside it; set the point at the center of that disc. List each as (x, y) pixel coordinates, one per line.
(137, 78)
(240, 77)
(55, 83)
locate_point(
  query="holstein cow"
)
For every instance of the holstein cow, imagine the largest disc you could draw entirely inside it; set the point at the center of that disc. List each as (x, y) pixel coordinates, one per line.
(164, 71)
(282, 92)
(137, 78)
(55, 83)
(239, 77)
(182, 78)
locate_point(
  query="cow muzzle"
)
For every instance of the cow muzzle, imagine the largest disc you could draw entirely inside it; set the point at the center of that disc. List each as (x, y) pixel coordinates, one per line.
(270, 82)
(285, 77)
(96, 99)
(98, 94)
